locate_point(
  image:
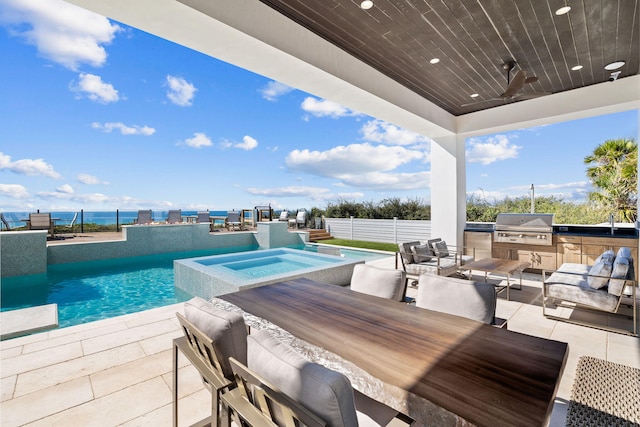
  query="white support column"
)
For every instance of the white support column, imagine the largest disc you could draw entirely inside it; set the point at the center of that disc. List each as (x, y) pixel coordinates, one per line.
(448, 189)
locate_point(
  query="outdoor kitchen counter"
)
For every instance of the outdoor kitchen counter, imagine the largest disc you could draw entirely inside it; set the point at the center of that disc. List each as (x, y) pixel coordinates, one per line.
(578, 244)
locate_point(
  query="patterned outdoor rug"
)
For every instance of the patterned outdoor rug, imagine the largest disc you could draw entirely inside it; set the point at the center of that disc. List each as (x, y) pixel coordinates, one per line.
(604, 394)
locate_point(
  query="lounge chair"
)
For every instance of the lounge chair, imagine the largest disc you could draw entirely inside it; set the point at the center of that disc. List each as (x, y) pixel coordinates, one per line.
(204, 217)
(5, 222)
(284, 216)
(68, 227)
(41, 221)
(379, 282)
(144, 217)
(300, 219)
(211, 337)
(460, 297)
(431, 257)
(304, 381)
(233, 221)
(174, 216)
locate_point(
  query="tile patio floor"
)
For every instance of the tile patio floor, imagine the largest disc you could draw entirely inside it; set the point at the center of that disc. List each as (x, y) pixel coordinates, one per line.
(118, 371)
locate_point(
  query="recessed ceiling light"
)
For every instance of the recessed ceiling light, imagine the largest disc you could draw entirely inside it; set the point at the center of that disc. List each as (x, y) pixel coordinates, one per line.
(434, 61)
(576, 67)
(563, 10)
(474, 95)
(366, 4)
(614, 65)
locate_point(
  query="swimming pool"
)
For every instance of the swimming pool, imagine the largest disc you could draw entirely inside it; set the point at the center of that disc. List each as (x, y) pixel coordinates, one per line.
(97, 290)
(209, 276)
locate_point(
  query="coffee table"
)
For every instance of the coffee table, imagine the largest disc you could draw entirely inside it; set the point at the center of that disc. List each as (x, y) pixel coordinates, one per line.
(500, 266)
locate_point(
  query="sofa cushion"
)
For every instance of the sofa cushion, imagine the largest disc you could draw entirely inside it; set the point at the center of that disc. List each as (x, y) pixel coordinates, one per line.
(325, 392)
(379, 282)
(440, 248)
(574, 288)
(624, 252)
(619, 273)
(421, 253)
(599, 274)
(226, 329)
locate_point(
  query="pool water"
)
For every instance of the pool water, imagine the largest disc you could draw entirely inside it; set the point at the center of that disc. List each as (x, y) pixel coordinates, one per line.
(97, 290)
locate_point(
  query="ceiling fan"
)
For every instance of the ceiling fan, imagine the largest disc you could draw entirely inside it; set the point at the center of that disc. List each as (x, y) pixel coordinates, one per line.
(514, 86)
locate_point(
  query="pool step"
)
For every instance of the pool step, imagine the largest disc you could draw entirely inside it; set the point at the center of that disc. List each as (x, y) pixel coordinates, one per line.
(25, 321)
(320, 234)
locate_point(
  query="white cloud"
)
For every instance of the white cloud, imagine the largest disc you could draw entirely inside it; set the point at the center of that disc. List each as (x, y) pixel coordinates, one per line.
(95, 89)
(351, 159)
(248, 143)
(199, 140)
(64, 33)
(14, 191)
(180, 91)
(313, 193)
(29, 167)
(273, 90)
(362, 165)
(324, 108)
(124, 129)
(383, 132)
(66, 189)
(492, 149)
(87, 179)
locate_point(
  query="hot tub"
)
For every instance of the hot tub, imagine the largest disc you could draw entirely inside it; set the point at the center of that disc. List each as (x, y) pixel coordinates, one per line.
(210, 276)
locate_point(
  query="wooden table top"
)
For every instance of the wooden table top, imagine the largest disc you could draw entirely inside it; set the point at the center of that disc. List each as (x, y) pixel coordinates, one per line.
(486, 375)
(496, 265)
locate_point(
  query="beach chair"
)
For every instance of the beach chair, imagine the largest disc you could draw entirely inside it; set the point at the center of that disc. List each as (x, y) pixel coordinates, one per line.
(204, 217)
(5, 222)
(299, 220)
(67, 228)
(144, 217)
(284, 216)
(174, 216)
(41, 221)
(233, 222)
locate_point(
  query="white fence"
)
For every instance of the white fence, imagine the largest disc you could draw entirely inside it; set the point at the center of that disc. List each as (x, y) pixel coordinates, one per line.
(378, 230)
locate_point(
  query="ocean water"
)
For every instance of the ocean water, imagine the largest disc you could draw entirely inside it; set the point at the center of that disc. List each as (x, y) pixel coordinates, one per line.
(16, 219)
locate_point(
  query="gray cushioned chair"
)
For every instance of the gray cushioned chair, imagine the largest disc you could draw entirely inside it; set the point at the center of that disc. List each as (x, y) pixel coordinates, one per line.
(211, 337)
(465, 298)
(326, 393)
(174, 216)
(379, 282)
(145, 216)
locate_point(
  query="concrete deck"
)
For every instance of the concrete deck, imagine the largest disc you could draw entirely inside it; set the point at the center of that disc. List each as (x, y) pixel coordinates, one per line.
(118, 371)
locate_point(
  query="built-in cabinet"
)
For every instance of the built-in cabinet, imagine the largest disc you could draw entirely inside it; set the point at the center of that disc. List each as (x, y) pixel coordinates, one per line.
(538, 257)
(564, 248)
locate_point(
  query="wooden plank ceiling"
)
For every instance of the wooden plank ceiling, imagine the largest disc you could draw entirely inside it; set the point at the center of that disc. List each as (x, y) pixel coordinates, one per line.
(474, 38)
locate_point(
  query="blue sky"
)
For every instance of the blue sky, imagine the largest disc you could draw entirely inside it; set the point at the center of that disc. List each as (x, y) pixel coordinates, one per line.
(100, 116)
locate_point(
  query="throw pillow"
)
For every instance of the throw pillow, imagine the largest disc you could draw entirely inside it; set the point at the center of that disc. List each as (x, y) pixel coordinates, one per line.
(440, 248)
(599, 274)
(421, 253)
(618, 275)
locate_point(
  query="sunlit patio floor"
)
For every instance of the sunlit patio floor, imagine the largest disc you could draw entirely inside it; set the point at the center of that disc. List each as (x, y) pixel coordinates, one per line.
(119, 371)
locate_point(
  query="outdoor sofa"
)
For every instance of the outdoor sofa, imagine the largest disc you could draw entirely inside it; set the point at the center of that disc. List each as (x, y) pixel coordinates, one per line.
(601, 286)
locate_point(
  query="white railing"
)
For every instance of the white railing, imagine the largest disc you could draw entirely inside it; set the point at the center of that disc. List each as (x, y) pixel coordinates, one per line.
(378, 230)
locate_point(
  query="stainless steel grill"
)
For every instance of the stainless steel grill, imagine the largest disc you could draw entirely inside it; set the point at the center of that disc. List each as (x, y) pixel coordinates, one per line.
(526, 229)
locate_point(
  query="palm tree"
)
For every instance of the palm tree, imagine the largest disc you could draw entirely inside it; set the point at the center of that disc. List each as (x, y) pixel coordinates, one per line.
(613, 171)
